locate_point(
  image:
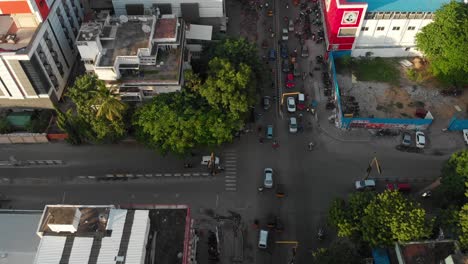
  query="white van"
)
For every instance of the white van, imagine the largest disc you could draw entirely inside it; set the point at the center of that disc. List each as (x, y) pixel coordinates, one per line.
(263, 239)
(207, 159)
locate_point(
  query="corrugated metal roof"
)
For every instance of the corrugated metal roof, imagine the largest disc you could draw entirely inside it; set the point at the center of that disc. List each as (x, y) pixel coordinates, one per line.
(138, 237)
(110, 245)
(81, 250)
(50, 250)
(200, 32)
(18, 237)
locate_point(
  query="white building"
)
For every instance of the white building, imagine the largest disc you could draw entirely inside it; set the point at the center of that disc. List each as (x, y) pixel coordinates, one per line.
(377, 27)
(37, 50)
(105, 234)
(204, 12)
(140, 55)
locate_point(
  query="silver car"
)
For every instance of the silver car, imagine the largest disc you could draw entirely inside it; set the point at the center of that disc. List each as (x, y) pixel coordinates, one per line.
(292, 125)
(268, 181)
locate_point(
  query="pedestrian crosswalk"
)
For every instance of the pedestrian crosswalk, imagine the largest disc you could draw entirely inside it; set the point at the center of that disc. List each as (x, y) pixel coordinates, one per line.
(230, 167)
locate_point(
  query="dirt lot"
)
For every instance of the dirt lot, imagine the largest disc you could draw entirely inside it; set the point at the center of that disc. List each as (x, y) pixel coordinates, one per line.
(401, 101)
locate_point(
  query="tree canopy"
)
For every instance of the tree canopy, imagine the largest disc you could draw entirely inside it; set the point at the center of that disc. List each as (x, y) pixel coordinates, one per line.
(339, 251)
(379, 219)
(179, 121)
(99, 112)
(390, 217)
(444, 42)
(227, 86)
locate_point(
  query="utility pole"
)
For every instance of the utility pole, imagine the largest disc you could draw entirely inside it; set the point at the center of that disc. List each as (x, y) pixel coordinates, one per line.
(369, 168)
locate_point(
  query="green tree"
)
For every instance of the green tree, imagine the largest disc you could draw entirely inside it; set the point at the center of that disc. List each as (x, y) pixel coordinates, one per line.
(390, 217)
(454, 176)
(180, 121)
(347, 217)
(463, 221)
(339, 251)
(5, 126)
(109, 105)
(72, 125)
(99, 108)
(444, 43)
(226, 87)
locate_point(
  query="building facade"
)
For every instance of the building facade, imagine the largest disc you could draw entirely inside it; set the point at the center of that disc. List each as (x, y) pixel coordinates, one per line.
(375, 27)
(37, 50)
(140, 56)
(204, 12)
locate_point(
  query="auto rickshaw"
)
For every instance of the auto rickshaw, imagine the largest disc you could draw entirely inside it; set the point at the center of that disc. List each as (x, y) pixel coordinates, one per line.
(270, 13)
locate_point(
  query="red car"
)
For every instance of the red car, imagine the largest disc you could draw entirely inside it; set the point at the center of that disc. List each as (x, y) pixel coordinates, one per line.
(402, 187)
(290, 81)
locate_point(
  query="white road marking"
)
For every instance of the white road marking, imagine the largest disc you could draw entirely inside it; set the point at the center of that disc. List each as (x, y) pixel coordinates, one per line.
(231, 161)
(188, 174)
(205, 174)
(167, 174)
(231, 184)
(231, 189)
(230, 177)
(177, 174)
(158, 174)
(228, 180)
(195, 174)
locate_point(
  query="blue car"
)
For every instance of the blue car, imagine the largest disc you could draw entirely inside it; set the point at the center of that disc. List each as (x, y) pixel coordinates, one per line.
(272, 55)
(284, 50)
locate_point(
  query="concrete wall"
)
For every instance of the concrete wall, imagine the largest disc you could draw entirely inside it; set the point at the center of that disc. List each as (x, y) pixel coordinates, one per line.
(22, 138)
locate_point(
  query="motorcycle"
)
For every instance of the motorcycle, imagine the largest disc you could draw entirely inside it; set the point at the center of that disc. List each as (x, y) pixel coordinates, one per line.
(426, 194)
(320, 234)
(188, 165)
(311, 146)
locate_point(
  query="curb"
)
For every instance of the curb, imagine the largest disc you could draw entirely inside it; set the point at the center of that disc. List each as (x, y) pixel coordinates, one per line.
(340, 139)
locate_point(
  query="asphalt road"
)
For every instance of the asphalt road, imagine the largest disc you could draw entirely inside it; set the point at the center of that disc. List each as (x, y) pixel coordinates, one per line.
(312, 178)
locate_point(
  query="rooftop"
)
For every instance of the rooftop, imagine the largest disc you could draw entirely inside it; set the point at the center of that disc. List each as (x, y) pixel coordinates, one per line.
(401, 5)
(12, 37)
(166, 28)
(106, 234)
(432, 252)
(18, 239)
(128, 39)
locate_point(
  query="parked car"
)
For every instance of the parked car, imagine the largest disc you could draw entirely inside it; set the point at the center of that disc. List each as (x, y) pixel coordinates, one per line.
(420, 139)
(406, 140)
(291, 104)
(465, 135)
(301, 101)
(290, 81)
(269, 132)
(286, 66)
(207, 159)
(366, 184)
(285, 34)
(292, 125)
(284, 50)
(296, 70)
(304, 51)
(266, 102)
(291, 25)
(268, 180)
(272, 54)
(402, 187)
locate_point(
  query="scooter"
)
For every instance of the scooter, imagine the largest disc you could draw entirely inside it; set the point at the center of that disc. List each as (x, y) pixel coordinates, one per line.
(320, 234)
(311, 146)
(426, 194)
(188, 165)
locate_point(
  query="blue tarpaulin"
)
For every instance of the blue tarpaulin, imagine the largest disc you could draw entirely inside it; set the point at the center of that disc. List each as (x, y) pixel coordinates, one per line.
(380, 256)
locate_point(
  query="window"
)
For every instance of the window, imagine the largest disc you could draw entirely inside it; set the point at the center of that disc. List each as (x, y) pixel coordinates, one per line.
(347, 32)
(365, 29)
(380, 28)
(411, 28)
(396, 28)
(370, 15)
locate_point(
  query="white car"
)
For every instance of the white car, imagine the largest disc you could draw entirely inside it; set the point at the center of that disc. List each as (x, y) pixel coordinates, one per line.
(268, 181)
(291, 104)
(292, 125)
(465, 135)
(285, 34)
(420, 139)
(291, 25)
(366, 184)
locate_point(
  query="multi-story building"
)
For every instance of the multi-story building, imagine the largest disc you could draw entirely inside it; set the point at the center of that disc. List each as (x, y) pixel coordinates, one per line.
(100, 234)
(141, 56)
(376, 27)
(204, 12)
(37, 50)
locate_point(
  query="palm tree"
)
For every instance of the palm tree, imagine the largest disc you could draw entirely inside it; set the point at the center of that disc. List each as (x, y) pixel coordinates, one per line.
(108, 104)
